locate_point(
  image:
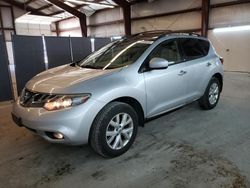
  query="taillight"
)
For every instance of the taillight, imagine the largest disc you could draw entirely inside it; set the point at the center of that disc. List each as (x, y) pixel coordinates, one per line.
(221, 60)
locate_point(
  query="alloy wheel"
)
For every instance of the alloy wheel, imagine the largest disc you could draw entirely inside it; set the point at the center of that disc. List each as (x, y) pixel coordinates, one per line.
(119, 131)
(213, 93)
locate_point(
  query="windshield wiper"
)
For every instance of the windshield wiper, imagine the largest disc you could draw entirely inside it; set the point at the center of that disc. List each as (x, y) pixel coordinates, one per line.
(74, 64)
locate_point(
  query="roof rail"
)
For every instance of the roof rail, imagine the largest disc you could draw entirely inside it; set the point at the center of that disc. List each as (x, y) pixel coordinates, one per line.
(183, 33)
(153, 32)
(164, 32)
(194, 34)
(160, 33)
(157, 33)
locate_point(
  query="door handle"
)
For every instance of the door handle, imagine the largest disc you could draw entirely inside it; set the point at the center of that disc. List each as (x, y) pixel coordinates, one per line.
(209, 64)
(182, 72)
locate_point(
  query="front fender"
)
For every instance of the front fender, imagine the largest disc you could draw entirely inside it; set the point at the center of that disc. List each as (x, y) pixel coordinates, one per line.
(137, 93)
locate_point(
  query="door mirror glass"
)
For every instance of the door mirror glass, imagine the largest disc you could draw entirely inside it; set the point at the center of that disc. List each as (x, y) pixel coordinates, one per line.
(158, 63)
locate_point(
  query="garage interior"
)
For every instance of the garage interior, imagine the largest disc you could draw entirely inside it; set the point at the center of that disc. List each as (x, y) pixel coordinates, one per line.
(187, 147)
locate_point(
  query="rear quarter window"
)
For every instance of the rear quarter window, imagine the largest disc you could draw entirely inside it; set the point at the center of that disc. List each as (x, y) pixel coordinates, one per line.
(194, 48)
(205, 45)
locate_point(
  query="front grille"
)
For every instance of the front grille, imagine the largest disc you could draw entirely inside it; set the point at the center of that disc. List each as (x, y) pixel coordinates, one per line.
(34, 99)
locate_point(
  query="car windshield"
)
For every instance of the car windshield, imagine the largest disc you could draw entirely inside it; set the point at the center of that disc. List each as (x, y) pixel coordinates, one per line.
(115, 55)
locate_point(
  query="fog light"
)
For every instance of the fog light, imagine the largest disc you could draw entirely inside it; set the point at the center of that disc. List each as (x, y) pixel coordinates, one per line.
(58, 135)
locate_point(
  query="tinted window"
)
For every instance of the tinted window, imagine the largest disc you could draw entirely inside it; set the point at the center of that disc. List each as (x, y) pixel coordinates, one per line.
(167, 50)
(205, 46)
(194, 48)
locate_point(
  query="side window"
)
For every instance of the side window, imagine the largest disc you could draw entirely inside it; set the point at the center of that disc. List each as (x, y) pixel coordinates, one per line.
(167, 50)
(194, 48)
(205, 46)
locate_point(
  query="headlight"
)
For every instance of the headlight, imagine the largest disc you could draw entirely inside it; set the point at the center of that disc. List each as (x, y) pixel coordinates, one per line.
(60, 102)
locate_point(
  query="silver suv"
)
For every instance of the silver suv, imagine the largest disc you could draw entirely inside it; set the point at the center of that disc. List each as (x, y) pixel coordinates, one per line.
(102, 99)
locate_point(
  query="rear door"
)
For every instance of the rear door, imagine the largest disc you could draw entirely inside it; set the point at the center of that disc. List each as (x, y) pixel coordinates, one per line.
(165, 88)
(197, 65)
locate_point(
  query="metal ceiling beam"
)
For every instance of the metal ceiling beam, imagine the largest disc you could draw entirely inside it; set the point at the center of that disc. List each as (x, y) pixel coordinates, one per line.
(122, 3)
(42, 8)
(55, 13)
(76, 7)
(28, 2)
(67, 8)
(75, 12)
(61, 11)
(126, 7)
(22, 6)
(205, 17)
(138, 1)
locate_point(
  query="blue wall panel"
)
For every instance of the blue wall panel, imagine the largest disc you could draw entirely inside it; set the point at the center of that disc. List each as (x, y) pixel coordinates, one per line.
(5, 82)
(29, 58)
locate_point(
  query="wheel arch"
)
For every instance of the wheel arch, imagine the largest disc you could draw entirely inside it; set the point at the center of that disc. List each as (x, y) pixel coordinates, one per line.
(135, 104)
(220, 78)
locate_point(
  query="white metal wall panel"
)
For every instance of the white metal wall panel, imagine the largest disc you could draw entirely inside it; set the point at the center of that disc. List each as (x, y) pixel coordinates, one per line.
(106, 16)
(162, 6)
(184, 21)
(73, 33)
(234, 48)
(230, 15)
(33, 29)
(69, 23)
(107, 31)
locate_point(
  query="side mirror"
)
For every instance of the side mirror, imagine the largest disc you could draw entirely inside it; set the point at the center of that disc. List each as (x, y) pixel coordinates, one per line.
(158, 63)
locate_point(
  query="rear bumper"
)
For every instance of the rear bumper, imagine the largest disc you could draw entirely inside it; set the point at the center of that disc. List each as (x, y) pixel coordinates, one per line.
(74, 123)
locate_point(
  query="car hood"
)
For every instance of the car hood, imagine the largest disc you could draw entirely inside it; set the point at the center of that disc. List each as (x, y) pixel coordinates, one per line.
(65, 79)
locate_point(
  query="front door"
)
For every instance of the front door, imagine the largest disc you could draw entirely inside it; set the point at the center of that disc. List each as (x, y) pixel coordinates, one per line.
(166, 88)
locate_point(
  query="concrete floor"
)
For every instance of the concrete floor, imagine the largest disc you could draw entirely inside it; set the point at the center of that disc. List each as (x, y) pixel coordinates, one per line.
(186, 148)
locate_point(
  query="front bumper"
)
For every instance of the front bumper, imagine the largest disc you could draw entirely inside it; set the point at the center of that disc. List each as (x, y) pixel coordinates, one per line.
(74, 123)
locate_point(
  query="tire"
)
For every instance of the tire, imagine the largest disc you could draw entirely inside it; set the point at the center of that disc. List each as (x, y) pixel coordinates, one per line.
(105, 129)
(211, 97)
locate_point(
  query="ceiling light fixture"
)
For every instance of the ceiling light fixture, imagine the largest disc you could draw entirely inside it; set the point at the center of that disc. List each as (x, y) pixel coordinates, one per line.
(230, 29)
(91, 3)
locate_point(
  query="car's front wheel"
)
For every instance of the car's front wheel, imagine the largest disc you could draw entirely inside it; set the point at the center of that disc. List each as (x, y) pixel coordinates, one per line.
(114, 129)
(212, 94)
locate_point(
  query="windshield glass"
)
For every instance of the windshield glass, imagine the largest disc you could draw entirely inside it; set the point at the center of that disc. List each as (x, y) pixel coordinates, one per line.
(115, 55)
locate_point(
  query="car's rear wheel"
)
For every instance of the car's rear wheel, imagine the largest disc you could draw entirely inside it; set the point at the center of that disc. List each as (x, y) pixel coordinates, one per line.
(212, 94)
(114, 129)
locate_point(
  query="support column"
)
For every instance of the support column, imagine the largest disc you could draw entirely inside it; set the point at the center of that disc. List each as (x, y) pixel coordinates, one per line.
(127, 19)
(83, 25)
(57, 28)
(205, 17)
(126, 8)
